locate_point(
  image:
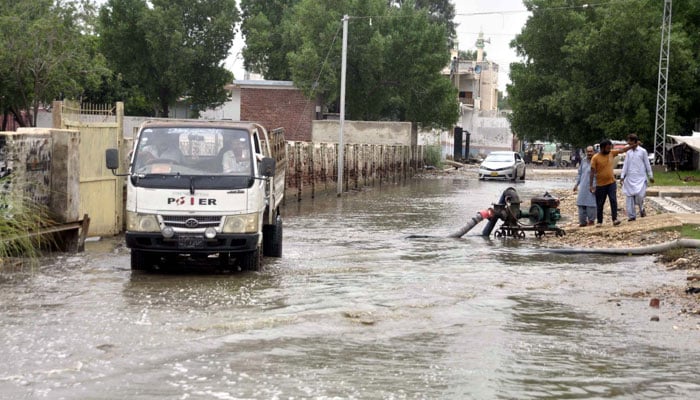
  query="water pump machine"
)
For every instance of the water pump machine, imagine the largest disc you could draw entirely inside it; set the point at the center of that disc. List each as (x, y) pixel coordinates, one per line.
(540, 218)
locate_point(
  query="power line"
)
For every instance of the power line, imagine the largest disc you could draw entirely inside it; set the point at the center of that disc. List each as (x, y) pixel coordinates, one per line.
(318, 76)
(582, 6)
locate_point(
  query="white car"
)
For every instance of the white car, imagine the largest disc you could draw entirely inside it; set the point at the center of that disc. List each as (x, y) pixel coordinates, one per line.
(506, 165)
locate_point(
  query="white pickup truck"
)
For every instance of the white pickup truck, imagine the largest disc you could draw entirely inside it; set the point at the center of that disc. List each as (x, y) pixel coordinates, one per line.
(204, 191)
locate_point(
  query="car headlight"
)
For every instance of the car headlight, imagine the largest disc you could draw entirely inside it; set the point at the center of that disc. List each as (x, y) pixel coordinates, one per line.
(136, 222)
(243, 223)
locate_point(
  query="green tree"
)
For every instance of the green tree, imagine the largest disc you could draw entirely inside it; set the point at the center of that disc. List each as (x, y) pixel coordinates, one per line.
(266, 49)
(45, 54)
(170, 49)
(470, 55)
(440, 11)
(395, 58)
(503, 101)
(590, 72)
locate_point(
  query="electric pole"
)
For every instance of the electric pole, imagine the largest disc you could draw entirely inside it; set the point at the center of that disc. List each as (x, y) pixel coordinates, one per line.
(662, 87)
(343, 71)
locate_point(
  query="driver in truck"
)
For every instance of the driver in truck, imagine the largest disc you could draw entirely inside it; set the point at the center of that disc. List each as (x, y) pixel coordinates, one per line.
(162, 147)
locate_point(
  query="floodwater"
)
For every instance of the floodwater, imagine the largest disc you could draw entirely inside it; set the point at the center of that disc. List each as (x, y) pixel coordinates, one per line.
(353, 310)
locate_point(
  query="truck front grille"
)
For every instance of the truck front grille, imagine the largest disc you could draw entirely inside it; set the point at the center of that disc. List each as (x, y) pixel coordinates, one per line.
(191, 221)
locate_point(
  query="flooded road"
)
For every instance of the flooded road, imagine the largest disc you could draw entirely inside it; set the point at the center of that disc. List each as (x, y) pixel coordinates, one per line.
(354, 309)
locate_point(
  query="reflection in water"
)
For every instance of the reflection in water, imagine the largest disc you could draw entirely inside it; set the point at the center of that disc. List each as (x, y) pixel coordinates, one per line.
(354, 309)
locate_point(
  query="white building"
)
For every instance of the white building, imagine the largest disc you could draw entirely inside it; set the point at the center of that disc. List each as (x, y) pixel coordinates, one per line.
(484, 128)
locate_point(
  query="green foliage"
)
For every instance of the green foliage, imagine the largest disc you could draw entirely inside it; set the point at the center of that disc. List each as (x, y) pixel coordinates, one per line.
(20, 217)
(396, 51)
(591, 72)
(433, 156)
(266, 48)
(470, 55)
(503, 102)
(169, 49)
(690, 231)
(677, 178)
(440, 11)
(46, 52)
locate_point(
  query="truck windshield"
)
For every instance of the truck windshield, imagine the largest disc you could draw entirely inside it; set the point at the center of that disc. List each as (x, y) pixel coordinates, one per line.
(164, 155)
(193, 151)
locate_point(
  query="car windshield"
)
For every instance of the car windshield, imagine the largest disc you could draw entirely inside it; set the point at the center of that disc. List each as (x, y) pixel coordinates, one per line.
(499, 158)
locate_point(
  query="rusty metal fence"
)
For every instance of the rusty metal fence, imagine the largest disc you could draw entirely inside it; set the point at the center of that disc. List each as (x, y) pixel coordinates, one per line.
(312, 168)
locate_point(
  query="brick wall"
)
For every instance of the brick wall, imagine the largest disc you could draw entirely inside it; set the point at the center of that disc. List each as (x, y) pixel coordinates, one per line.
(273, 108)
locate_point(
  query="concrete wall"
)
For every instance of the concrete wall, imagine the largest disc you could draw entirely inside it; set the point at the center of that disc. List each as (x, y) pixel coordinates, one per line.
(65, 183)
(365, 132)
(28, 158)
(41, 165)
(488, 132)
(229, 110)
(443, 139)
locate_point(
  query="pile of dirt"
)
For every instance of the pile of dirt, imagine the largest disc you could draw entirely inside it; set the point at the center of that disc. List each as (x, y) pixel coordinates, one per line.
(657, 227)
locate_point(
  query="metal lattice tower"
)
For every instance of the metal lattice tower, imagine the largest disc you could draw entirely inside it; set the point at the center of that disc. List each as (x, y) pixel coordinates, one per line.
(662, 88)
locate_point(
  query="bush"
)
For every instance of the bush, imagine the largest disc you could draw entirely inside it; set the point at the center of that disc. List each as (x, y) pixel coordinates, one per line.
(433, 156)
(19, 218)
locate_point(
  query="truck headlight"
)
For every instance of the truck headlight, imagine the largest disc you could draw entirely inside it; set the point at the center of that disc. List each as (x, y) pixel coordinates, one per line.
(244, 223)
(141, 222)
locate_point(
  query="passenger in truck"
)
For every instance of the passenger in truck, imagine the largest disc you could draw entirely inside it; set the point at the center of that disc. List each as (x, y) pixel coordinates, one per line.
(236, 157)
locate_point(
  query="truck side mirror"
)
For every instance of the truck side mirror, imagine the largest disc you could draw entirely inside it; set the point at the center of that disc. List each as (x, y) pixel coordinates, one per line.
(267, 166)
(112, 156)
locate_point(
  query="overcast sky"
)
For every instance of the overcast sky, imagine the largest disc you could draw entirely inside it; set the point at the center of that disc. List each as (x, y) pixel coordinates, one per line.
(500, 20)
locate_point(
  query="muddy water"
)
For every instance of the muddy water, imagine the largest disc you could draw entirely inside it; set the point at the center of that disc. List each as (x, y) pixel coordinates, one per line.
(354, 309)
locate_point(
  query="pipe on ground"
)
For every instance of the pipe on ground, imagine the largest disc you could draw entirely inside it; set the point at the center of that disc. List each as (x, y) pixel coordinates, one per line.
(624, 251)
(480, 216)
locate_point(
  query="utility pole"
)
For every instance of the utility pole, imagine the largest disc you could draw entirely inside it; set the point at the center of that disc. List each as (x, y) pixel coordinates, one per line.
(343, 70)
(662, 87)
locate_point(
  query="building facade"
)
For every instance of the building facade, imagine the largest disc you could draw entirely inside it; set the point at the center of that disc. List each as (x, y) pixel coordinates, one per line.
(484, 127)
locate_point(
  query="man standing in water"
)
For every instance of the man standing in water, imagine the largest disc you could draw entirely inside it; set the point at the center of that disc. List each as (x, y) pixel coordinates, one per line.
(602, 180)
(585, 200)
(634, 177)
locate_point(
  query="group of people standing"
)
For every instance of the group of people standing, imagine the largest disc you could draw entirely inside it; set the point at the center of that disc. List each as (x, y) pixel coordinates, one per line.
(597, 173)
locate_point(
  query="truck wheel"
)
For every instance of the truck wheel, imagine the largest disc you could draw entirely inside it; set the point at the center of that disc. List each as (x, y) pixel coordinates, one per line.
(140, 260)
(251, 261)
(272, 239)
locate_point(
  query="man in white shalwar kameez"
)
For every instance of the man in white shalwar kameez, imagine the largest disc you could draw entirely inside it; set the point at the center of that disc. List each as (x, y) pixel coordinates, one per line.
(635, 171)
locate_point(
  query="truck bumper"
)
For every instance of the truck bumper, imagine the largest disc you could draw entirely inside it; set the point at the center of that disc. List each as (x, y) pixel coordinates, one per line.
(222, 243)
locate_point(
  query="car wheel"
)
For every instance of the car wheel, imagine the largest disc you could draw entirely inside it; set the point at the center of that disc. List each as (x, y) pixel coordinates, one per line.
(522, 178)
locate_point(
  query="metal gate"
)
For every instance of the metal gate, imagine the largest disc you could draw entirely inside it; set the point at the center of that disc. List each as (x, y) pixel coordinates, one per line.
(101, 193)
